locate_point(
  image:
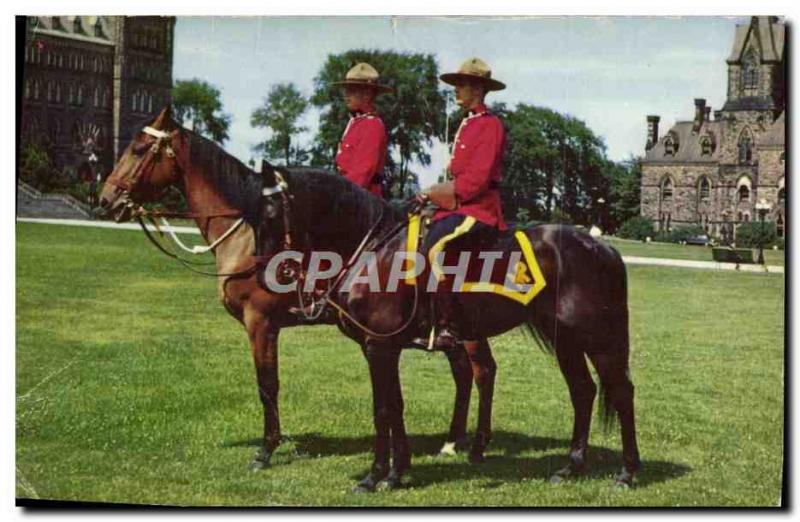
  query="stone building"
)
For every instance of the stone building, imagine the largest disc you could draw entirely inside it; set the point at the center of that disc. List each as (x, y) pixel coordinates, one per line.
(88, 80)
(712, 171)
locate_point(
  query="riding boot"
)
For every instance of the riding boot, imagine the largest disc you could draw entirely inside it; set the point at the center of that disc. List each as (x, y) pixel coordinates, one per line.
(445, 306)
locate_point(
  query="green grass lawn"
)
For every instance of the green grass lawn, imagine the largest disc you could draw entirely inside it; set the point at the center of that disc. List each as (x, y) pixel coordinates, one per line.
(134, 385)
(628, 247)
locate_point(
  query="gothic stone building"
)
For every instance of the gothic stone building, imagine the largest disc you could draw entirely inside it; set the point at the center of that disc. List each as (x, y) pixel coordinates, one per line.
(88, 80)
(712, 172)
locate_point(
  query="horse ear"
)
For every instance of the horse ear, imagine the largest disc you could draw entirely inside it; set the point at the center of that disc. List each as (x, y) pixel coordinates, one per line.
(268, 174)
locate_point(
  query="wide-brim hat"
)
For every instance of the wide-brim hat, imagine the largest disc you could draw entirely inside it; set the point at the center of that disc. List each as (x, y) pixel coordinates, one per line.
(474, 69)
(363, 75)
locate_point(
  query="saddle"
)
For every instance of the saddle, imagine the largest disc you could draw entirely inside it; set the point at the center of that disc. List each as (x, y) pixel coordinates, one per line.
(515, 274)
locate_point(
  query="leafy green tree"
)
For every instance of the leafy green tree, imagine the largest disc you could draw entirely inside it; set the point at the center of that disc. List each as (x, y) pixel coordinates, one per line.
(197, 103)
(625, 190)
(280, 112)
(413, 114)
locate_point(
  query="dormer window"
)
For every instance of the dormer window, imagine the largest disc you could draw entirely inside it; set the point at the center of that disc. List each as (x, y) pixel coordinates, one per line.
(669, 146)
(98, 29)
(77, 26)
(55, 21)
(706, 146)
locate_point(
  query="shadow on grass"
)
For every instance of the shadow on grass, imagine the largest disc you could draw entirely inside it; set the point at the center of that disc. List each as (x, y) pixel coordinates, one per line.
(507, 467)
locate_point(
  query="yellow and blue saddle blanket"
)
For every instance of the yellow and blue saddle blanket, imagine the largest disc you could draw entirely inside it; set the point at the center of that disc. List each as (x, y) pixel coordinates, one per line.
(521, 283)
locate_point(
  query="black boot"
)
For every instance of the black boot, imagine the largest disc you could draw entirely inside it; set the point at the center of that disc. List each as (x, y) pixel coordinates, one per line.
(445, 307)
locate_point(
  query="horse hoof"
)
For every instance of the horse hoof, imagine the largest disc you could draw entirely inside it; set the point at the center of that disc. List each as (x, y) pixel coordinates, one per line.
(260, 461)
(624, 480)
(476, 457)
(566, 473)
(450, 449)
(391, 482)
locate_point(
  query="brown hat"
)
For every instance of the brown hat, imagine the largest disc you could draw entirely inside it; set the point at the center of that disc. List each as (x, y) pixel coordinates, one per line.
(473, 69)
(363, 75)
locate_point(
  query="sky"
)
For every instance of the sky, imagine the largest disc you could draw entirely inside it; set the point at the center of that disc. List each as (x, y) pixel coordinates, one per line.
(610, 72)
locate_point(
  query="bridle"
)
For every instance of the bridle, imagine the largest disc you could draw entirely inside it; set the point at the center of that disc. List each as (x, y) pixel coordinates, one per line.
(292, 271)
(142, 171)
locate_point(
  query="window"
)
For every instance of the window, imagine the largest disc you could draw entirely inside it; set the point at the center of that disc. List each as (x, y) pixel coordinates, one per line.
(96, 97)
(743, 193)
(27, 88)
(782, 196)
(79, 96)
(98, 28)
(705, 146)
(750, 72)
(135, 102)
(745, 147)
(705, 189)
(58, 92)
(779, 224)
(747, 217)
(669, 146)
(76, 25)
(666, 190)
(783, 157)
(50, 91)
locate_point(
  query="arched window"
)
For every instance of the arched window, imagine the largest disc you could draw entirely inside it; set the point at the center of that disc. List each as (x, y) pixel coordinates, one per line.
(51, 91)
(666, 190)
(704, 189)
(747, 217)
(37, 87)
(743, 193)
(705, 146)
(79, 96)
(779, 224)
(27, 88)
(745, 147)
(782, 196)
(58, 92)
(135, 102)
(71, 93)
(750, 72)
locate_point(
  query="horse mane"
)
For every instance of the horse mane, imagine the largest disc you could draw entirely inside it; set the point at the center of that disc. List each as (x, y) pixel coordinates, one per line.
(333, 213)
(238, 184)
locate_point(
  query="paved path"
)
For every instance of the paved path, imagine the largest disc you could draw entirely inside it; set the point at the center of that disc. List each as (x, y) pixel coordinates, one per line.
(630, 260)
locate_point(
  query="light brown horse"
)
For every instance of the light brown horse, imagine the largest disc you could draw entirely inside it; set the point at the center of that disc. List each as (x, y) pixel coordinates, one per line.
(220, 191)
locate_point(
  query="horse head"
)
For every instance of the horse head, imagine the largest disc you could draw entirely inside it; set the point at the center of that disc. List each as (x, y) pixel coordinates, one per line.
(274, 229)
(150, 163)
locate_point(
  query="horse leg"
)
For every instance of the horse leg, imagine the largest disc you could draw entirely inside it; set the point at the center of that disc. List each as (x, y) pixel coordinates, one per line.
(613, 372)
(582, 391)
(383, 365)
(401, 452)
(263, 336)
(462, 375)
(484, 370)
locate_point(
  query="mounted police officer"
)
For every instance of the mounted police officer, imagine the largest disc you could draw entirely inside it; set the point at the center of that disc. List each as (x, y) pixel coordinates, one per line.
(470, 212)
(362, 151)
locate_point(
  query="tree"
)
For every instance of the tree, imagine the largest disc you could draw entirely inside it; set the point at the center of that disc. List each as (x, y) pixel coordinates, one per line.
(626, 183)
(413, 114)
(553, 167)
(197, 103)
(282, 108)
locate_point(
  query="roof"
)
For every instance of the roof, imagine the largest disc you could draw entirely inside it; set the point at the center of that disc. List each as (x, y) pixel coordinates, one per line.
(768, 31)
(689, 149)
(65, 27)
(775, 135)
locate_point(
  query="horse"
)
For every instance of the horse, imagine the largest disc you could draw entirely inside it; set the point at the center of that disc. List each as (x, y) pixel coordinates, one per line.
(581, 313)
(224, 200)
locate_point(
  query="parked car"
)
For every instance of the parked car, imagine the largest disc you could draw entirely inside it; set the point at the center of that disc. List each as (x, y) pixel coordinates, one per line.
(700, 239)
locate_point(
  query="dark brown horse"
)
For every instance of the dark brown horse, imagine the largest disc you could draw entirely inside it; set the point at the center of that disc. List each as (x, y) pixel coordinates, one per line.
(582, 312)
(220, 190)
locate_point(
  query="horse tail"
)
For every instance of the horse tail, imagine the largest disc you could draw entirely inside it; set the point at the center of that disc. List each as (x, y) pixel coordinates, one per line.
(543, 343)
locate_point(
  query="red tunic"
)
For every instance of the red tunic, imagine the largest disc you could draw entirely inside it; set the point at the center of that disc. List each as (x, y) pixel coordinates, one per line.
(362, 151)
(476, 165)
